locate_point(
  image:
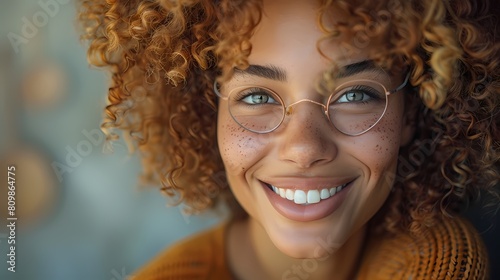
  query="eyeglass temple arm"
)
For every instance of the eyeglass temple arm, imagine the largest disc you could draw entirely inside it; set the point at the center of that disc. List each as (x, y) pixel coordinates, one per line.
(402, 85)
(216, 90)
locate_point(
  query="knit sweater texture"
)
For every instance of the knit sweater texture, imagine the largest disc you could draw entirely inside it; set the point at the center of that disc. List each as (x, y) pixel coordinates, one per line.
(451, 249)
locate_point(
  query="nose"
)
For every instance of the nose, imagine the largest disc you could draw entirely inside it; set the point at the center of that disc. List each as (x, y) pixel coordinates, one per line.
(308, 137)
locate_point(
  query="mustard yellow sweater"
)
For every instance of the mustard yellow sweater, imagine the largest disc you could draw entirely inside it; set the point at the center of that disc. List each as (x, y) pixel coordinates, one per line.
(450, 250)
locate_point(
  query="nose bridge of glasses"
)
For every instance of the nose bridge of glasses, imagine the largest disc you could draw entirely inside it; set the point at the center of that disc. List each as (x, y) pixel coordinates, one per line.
(289, 108)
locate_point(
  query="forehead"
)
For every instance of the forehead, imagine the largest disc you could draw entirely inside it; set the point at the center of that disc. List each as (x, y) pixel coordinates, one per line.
(289, 37)
(287, 33)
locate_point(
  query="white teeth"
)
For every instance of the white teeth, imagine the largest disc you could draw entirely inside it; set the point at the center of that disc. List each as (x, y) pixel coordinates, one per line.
(281, 192)
(299, 197)
(312, 196)
(333, 191)
(309, 197)
(324, 194)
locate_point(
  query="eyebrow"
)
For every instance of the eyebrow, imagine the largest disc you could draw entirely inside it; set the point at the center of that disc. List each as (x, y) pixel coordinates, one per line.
(265, 71)
(274, 72)
(358, 67)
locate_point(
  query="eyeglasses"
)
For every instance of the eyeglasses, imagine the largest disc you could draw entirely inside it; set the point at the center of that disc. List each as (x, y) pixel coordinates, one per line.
(353, 108)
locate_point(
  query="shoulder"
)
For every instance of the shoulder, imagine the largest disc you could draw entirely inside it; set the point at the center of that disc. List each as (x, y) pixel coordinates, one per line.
(196, 257)
(450, 249)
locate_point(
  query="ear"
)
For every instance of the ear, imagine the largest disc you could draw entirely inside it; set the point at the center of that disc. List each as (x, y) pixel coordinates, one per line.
(412, 107)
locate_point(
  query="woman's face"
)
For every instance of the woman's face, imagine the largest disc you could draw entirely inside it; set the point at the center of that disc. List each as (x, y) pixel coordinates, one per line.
(306, 154)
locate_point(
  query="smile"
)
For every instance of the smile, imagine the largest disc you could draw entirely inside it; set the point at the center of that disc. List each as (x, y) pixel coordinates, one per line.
(306, 197)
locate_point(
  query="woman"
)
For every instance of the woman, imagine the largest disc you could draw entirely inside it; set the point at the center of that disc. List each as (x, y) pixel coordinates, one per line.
(343, 136)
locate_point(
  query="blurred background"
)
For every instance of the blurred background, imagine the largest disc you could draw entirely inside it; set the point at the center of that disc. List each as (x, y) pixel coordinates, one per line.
(80, 212)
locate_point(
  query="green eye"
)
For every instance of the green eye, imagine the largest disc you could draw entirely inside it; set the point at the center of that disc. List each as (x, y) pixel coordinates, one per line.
(358, 93)
(256, 99)
(353, 96)
(255, 96)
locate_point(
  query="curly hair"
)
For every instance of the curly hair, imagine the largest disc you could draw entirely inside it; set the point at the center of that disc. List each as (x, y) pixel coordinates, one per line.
(165, 55)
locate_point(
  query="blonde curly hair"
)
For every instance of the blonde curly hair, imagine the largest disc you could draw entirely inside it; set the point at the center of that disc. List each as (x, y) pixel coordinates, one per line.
(164, 57)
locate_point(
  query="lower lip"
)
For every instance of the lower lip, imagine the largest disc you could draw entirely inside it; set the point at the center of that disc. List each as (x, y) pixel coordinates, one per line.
(306, 213)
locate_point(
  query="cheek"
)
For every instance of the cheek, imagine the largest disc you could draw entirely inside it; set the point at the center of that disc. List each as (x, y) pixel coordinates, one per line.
(388, 133)
(239, 148)
(379, 148)
(377, 152)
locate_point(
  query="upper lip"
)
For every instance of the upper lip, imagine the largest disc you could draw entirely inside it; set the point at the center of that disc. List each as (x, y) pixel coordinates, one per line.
(303, 183)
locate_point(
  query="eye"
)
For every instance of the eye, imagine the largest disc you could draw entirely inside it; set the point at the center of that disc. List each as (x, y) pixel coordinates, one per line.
(255, 96)
(353, 96)
(359, 93)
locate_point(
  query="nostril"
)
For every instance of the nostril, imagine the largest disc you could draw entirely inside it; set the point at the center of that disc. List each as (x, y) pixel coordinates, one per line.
(308, 148)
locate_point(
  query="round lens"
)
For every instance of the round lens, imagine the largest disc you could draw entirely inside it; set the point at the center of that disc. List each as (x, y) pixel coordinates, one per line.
(256, 109)
(356, 106)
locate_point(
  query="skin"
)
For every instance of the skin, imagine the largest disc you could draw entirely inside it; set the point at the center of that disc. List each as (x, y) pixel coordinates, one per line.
(306, 145)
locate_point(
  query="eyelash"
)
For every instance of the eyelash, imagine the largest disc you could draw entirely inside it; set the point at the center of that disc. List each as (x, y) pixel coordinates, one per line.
(251, 91)
(369, 91)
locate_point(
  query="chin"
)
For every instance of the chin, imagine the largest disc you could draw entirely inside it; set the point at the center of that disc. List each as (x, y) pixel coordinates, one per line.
(316, 241)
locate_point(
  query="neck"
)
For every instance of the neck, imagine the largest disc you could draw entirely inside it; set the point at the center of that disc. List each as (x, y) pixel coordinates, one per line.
(252, 255)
